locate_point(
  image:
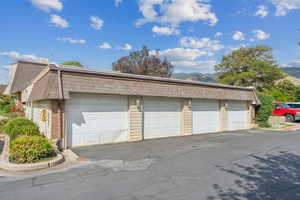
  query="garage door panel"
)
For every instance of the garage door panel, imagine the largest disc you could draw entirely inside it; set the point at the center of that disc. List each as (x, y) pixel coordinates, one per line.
(205, 116)
(97, 119)
(161, 117)
(237, 115)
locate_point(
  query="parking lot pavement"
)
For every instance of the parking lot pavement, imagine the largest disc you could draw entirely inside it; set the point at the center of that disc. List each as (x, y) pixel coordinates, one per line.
(252, 164)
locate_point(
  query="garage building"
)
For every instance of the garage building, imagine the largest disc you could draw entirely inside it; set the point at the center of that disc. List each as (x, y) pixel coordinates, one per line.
(80, 106)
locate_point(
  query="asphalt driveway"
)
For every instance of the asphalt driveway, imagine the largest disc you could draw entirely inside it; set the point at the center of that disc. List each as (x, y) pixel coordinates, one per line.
(251, 164)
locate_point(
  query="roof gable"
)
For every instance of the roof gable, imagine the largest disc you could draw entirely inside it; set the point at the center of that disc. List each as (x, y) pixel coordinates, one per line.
(25, 73)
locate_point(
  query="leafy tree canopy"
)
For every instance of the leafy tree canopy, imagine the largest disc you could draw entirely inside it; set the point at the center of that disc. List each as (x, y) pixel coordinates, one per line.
(145, 63)
(284, 91)
(246, 67)
(73, 63)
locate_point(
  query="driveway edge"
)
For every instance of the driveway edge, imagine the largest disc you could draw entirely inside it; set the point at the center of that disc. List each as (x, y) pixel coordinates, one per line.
(6, 165)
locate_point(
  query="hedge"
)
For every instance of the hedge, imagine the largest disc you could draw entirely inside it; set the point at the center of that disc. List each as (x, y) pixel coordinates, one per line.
(265, 110)
(3, 122)
(20, 126)
(6, 104)
(30, 149)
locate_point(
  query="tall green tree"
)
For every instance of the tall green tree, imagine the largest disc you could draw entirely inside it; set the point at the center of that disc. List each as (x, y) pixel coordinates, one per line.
(284, 91)
(73, 63)
(145, 63)
(254, 66)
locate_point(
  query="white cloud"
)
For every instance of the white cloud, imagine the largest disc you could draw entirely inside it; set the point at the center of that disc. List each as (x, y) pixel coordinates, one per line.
(4, 74)
(233, 48)
(58, 22)
(118, 2)
(187, 58)
(260, 35)
(126, 47)
(96, 23)
(209, 64)
(205, 44)
(165, 30)
(47, 5)
(18, 56)
(71, 40)
(238, 35)
(181, 54)
(218, 34)
(195, 48)
(4, 67)
(295, 63)
(105, 45)
(284, 6)
(262, 11)
(174, 12)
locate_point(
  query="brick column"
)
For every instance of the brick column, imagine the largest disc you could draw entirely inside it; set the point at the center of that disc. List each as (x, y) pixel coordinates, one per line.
(223, 116)
(251, 116)
(135, 119)
(58, 121)
(186, 117)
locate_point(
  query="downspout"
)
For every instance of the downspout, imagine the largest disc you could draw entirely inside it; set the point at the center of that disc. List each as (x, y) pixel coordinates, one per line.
(143, 118)
(60, 108)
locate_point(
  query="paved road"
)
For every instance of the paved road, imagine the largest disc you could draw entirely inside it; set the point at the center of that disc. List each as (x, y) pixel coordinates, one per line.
(260, 165)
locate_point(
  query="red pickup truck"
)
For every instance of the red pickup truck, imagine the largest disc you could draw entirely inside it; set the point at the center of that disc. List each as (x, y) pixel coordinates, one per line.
(282, 109)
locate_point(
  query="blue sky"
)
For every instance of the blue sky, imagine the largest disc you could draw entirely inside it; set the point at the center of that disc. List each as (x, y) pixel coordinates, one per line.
(193, 34)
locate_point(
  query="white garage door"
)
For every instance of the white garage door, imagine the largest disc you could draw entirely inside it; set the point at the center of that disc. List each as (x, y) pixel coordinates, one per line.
(206, 117)
(161, 117)
(237, 115)
(97, 119)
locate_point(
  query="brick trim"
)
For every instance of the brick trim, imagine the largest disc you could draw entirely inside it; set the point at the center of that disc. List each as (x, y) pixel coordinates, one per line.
(186, 117)
(135, 119)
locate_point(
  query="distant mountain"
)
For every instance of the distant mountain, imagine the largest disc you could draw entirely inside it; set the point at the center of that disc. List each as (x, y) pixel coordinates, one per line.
(210, 78)
(292, 71)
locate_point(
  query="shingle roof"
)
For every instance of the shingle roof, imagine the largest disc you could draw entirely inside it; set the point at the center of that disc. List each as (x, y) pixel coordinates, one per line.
(46, 87)
(24, 75)
(74, 79)
(88, 71)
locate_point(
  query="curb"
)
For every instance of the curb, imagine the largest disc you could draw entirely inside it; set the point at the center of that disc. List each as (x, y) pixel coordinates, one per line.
(292, 128)
(6, 165)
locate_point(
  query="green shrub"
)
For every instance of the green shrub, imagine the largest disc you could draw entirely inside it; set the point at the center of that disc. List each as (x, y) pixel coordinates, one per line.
(3, 122)
(6, 103)
(265, 110)
(29, 149)
(20, 126)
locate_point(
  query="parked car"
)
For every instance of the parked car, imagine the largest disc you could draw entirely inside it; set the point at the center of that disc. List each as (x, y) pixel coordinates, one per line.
(294, 104)
(283, 109)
